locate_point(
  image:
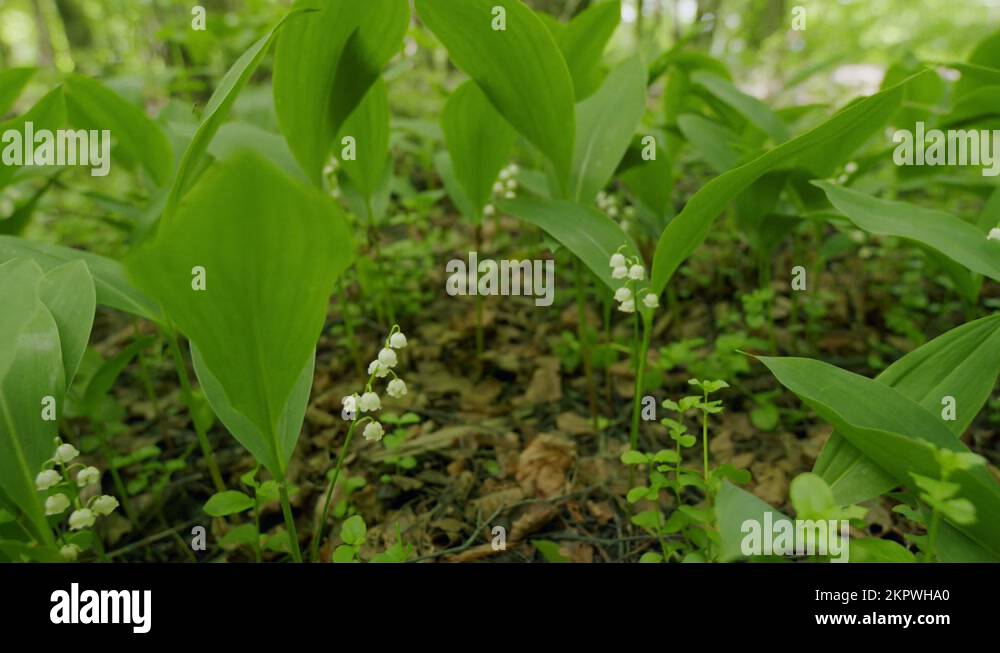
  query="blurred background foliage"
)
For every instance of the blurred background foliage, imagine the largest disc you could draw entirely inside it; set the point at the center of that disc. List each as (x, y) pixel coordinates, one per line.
(149, 44)
(147, 51)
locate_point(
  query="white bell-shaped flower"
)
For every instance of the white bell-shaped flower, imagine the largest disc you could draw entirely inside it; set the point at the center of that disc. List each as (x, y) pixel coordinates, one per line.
(619, 272)
(82, 518)
(46, 479)
(627, 306)
(650, 300)
(88, 476)
(373, 432)
(369, 401)
(56, 504)
(387, 357)
(65, 453)
(396, 388)
(623, 294)
(617, 260)
(69, 552)
(397, 340)
(378, 369)
(994, 234)
(104, 504)
(637, 273)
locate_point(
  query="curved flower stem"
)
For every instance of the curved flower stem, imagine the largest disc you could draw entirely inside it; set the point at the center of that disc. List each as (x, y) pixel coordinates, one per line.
(319, 523)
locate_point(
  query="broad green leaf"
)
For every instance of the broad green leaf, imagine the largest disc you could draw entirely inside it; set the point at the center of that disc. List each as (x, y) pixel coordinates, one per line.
(446, 170)
(583, 41)
(368, 125)
(963, 363)
(897, 433)
(31, 369)
(137, 139)
(951, 236)
(691, 226)
(113, 289)
(734, 507)
(68, 292)
(227, 503)
(985, 54)
(324, 63)
(271, 250)
(520, 69)
(752, 109)
(215, 113)
(974, 76)
(651, 181)
(236, 137)
(977, 106)
(48, 113)
(12, 82)
(589, 234)
(605, 124)
(246, 432)
(716, 144)
(479, 144)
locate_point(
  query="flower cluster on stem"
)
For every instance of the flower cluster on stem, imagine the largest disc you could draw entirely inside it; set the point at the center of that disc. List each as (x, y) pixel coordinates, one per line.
(632, 274)
(64, 490)
(367, 402)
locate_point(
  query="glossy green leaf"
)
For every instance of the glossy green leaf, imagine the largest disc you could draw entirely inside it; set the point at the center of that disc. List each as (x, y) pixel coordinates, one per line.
(114, 290)
(691, 226)
(583, 41)
(735, 506)
(963, 363)
(256, 440)
(895, 432)
(31, 369)
(446, 170)
(752, 109)
(716, 144)
(368, 125)
(520, 69)
(137, 139)
(324, 64)
(985, 54)
(271, 250)
(951, 236)
(236, 137)
(68, 292)
(589, 234)
(479, 144)
(606, 122)
(12, 82)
